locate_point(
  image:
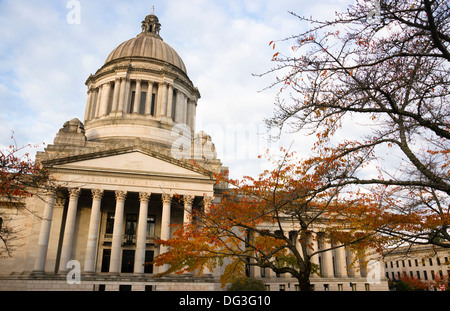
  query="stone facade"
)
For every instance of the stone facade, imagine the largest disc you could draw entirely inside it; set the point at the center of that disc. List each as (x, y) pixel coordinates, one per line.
(123, 177)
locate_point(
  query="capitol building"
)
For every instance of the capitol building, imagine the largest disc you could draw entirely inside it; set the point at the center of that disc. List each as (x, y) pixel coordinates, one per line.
(122, 176)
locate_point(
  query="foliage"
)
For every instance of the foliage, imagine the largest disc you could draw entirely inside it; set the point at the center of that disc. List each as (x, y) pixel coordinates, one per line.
(272, 222)
(247, 284)
(386, 69)
(20, 177)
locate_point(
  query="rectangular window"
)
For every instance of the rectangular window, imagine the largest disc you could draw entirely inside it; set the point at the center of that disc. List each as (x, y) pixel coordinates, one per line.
(151, 221)
(133, 95)
(105, 260)
(130, 227)
(142, 103)
(109, 223)
(127, 261)
(431, 261)
(153, 105)
(148, 258)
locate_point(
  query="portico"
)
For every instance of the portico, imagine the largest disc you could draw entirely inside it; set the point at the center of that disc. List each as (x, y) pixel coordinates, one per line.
(113, 217)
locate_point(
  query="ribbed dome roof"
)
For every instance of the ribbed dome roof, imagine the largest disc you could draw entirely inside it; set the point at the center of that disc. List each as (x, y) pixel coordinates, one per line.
(148, 44)
(150, 47)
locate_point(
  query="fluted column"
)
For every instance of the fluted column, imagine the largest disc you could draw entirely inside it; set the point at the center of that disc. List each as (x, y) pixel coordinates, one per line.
(207, 201)
(148, 100)
(169, 101)
(121, 104)
(341, 267)
(44, 233)
(141, 237)
(99, 101)
(327, 260)
(66, 251)
(115, 99)
(116, 244)
(187, 215)
(312, 242)
(137, 97)
(106, 89)
(184, 108)
(91, 247)
(93, 104)
(165, 224)
(88, 104)
(162, 99)
(353, 265)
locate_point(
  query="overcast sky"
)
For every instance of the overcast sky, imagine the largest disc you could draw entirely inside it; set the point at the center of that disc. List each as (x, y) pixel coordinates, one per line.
(47, 52)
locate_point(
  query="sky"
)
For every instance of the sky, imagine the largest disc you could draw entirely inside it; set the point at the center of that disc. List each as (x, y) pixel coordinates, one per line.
(48, 48)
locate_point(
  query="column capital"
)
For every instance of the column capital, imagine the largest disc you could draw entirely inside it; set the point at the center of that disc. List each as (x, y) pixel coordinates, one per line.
(121, 195)
(207, 200)
(97, 194)
(167, 198)
(74, 192)
(188, 199)
(60, 201)
(144, 196)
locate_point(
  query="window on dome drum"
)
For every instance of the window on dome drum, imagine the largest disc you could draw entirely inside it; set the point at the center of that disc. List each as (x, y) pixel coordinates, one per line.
(152, 109)
(142, 103)
(133, 95)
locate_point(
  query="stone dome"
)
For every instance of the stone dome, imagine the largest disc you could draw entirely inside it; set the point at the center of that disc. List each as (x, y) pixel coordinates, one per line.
(147, 45)
(142, 91)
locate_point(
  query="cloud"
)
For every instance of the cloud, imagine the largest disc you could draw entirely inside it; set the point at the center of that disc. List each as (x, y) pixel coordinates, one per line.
(45, 61)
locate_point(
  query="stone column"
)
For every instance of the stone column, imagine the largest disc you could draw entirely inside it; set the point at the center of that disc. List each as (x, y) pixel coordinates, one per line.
(184, 110)
(99, 101)
(312, 247)
(162, 99)
(165, 225)
(127, 93)
(341, 267)
(88, 105)
(353, 265)
(148, 100)
(327, 260)
(187, 215)
(137, 97)
(207, 201)
(66, 251)
(93, 105)
(141, 237)
(44, 233)
(91, 247)
(115, 100)
(106, 89)
(169, 101)
(116, 245)
(121, 105)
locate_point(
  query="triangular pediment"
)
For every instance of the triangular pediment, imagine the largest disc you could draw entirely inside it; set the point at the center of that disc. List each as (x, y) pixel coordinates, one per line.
(133, 162)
